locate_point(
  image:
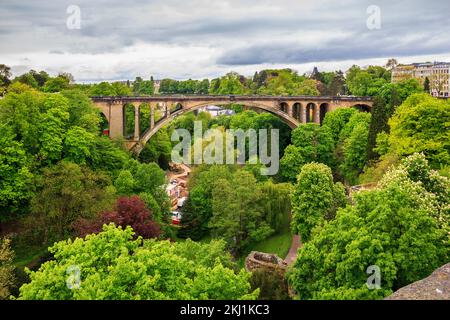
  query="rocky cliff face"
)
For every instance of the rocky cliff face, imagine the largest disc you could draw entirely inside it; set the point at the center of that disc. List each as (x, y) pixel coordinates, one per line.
(435, 287)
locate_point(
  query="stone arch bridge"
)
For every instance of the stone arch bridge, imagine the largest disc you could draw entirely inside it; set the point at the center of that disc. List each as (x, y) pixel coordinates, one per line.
(293, 110)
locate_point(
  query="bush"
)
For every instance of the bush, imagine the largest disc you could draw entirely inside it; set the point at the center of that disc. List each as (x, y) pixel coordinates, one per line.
(113, 266)
(7, 277)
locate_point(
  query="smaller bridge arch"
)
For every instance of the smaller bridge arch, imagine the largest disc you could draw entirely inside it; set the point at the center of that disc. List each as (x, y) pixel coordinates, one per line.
(284, 107)
(311, 112)
(297, 110)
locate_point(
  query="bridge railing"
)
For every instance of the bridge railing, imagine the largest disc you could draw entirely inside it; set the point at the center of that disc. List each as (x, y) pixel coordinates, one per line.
(228, 97)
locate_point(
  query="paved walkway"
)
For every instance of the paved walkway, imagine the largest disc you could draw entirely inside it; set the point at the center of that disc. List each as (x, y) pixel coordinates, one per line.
(180, 176)
(292, 254)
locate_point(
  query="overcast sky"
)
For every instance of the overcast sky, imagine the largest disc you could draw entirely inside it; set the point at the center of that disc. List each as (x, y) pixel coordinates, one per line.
(182, 39)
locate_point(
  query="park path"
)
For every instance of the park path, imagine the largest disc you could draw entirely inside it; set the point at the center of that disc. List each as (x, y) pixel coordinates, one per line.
(292, 254)
(180, 176)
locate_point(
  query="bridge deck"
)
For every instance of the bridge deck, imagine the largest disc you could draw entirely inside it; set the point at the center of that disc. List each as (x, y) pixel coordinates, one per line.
(230, 98)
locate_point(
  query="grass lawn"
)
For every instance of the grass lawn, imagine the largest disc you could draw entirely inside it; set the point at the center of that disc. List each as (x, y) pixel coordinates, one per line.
(25, 256)
(30, 257)
(278, 243)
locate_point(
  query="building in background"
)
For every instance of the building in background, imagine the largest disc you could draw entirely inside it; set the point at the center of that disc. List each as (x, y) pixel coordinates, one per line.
(437, 73)
(216, 111)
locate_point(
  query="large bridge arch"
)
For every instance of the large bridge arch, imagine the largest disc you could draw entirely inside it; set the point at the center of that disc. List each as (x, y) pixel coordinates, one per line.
(138, 147)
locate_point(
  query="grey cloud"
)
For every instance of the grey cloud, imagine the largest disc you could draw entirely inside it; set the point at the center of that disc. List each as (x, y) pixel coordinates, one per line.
(350, 49)
(241, 32)
(408, 29)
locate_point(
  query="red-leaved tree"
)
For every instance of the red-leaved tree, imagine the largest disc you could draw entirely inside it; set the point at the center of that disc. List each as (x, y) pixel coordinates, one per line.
(129, 211)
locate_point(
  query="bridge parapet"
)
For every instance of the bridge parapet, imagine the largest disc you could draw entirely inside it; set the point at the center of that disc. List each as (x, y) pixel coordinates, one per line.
(293, 110)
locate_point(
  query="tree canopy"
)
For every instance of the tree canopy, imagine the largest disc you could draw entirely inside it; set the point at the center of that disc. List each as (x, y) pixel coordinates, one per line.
(315, 199)
(421, 124)
(393, 227)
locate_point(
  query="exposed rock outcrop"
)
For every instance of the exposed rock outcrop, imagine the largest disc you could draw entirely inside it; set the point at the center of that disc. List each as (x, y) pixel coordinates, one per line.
(257, 260)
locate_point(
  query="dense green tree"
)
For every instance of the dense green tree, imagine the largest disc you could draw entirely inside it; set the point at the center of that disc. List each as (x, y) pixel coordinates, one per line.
(260, 79)
(102, 89)
(56, 84)
(355, 120)
(421, 124)
(107, 156)
(378, 124)
(307, 87)
(78, 144)
(15, 175)
(368, 81)
(143, 87)
(146, 180)
(351, 148)
(48, 124)
(32, 78)
(66, 192)
(311, 143)
(396, 93)
(431, 189)
(291, 163)
(152, 270)
(202, 87)
(41, 77)
(271, 283)
(52, 128)
(316, 141)
(280, 82)
(148, 177)
(169, 86)
(121, 89)
(137, 85)
(21, 111)
(336, 85)
(315, 199)
(28, 79)
(355, 152)
(198, 209)
(386, 102)
(82, 111)
(5, 77)
(426, 85)
(275, 203)
(158, 149)
(336, 121)
(235, 217)
(229, 84)
(125, 183)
